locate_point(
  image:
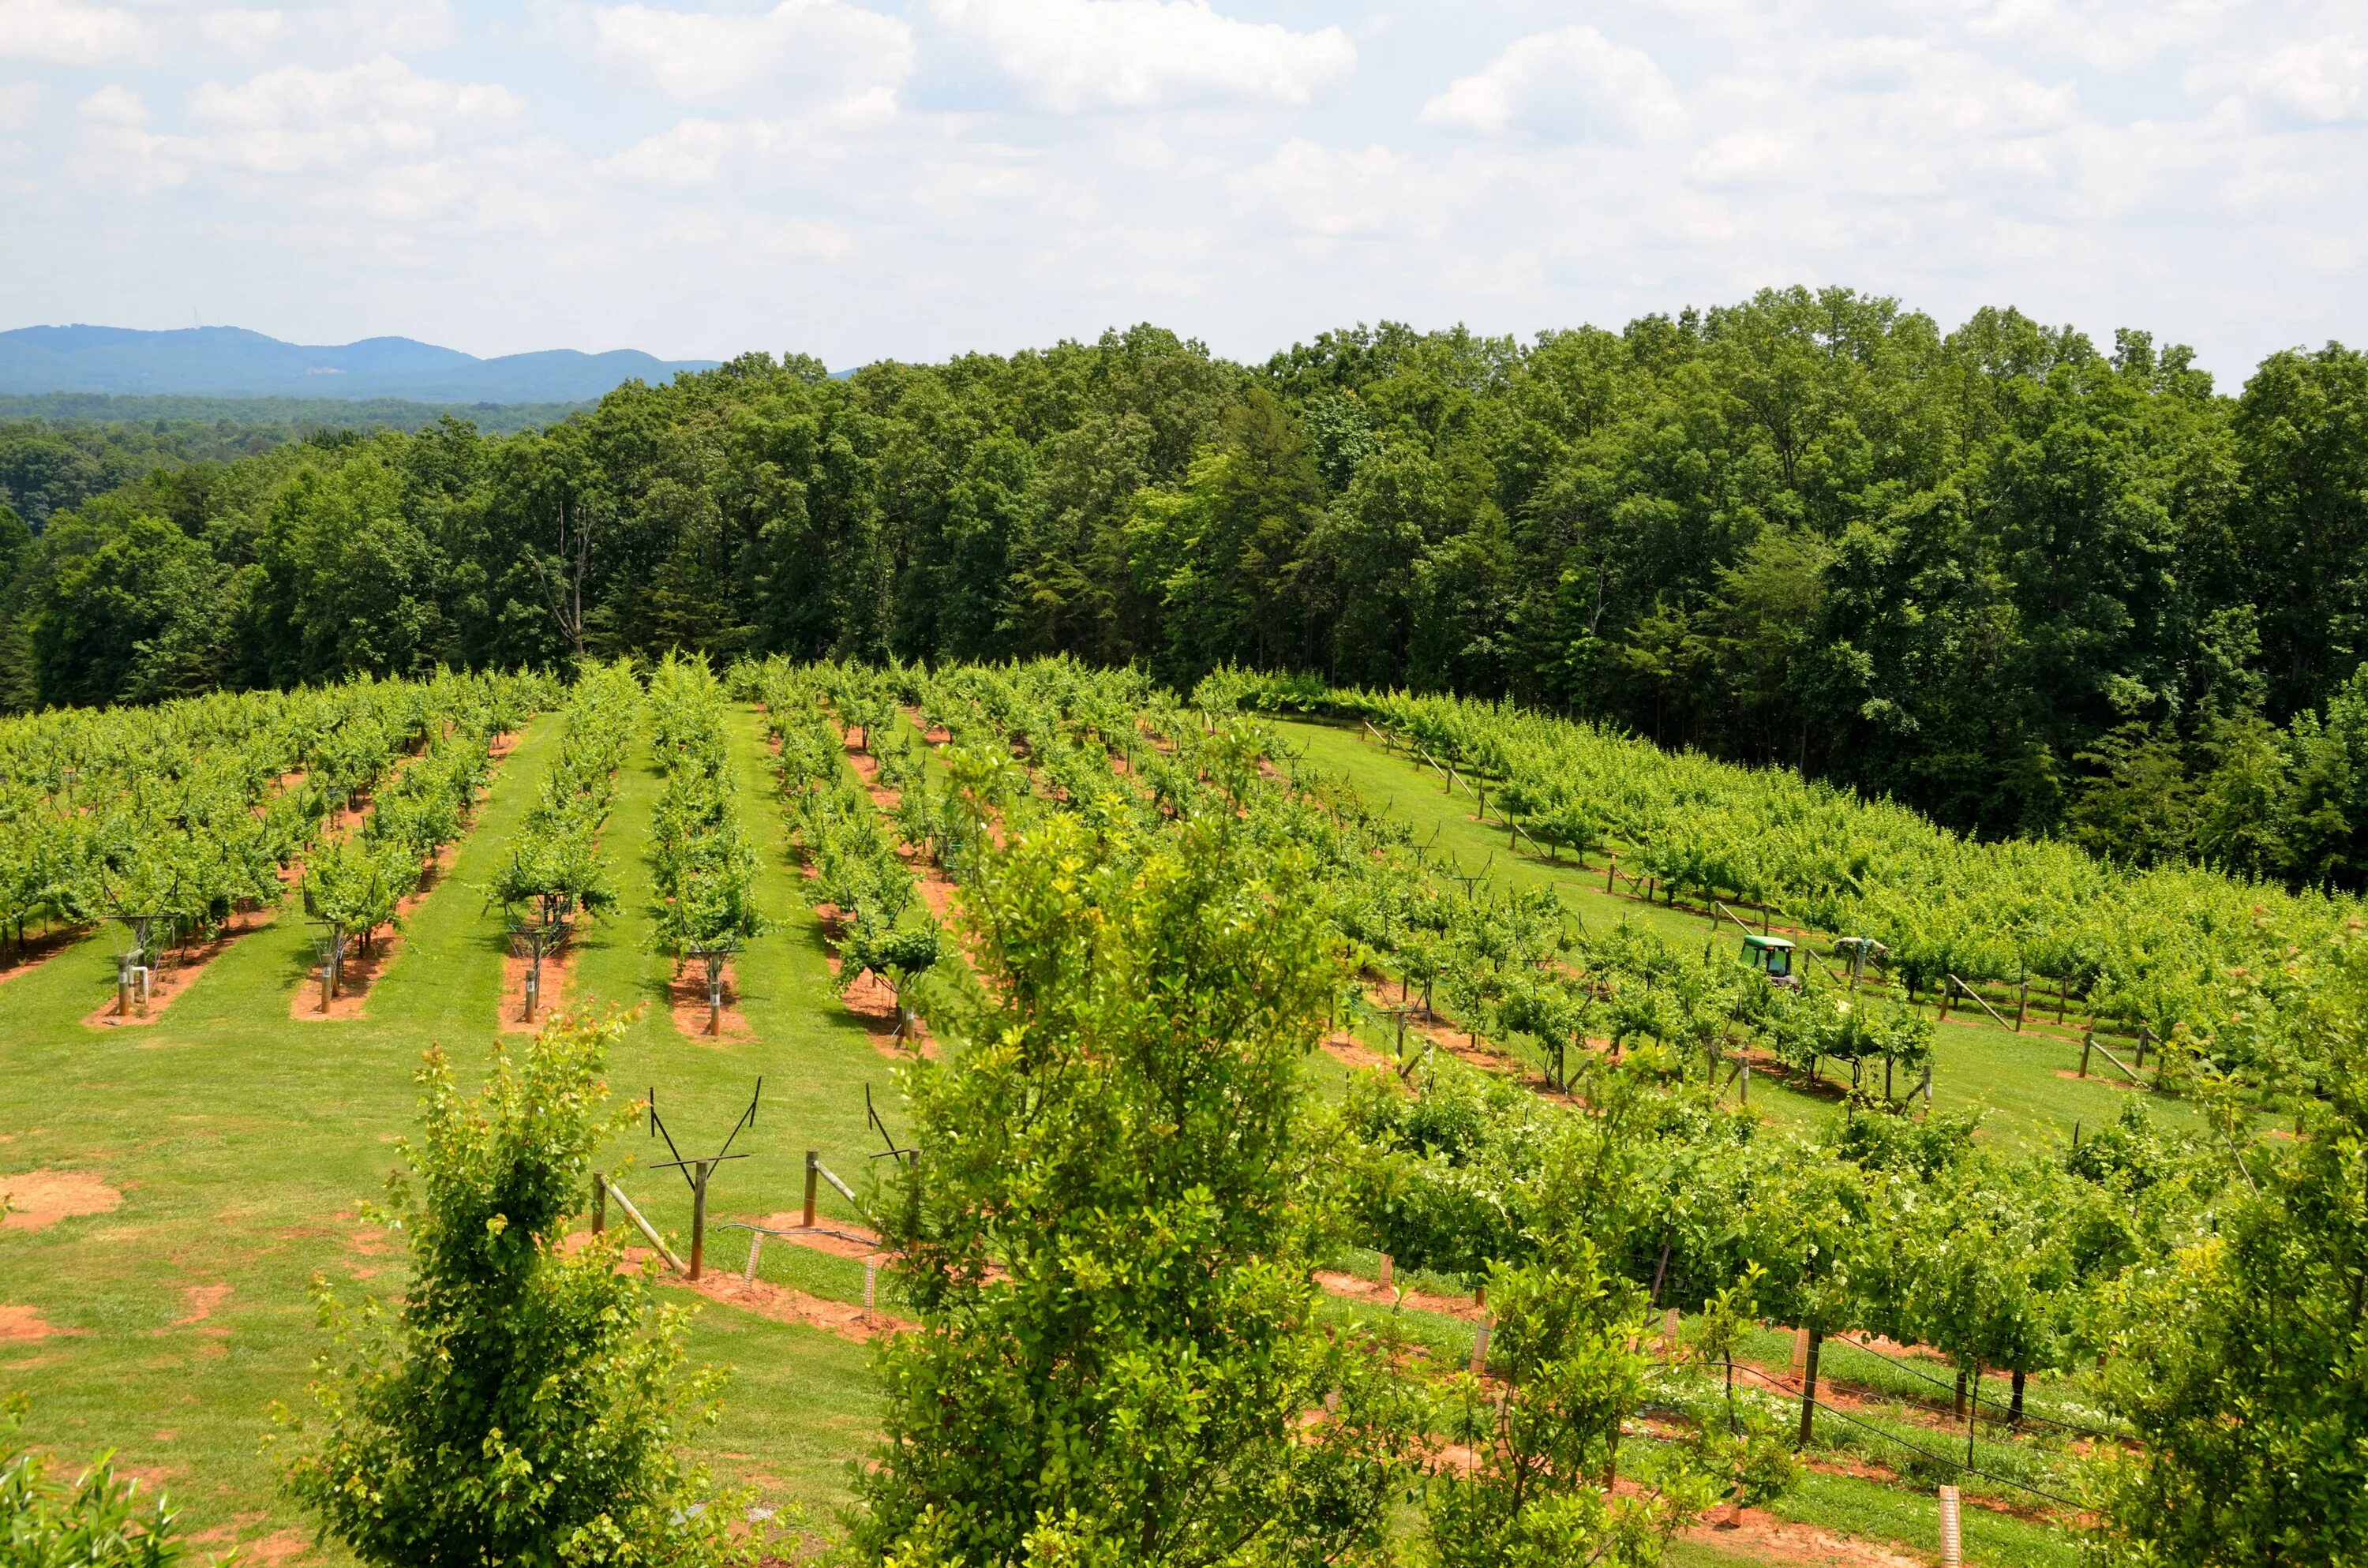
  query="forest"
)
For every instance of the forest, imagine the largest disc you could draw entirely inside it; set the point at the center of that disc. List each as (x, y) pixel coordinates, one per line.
(2019, 582)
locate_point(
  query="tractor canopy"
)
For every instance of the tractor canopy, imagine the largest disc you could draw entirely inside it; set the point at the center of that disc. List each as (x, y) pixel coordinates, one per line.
(1772, 956)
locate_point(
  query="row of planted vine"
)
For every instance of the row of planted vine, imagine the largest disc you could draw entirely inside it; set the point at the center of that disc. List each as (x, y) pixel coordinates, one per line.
(704, 869)
(553, 873)
(2220, 969)
(858, 884)
(173, 818)
(357, 884)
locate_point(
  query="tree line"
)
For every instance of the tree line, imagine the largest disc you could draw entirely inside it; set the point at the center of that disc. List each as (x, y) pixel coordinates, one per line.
(2021, 582)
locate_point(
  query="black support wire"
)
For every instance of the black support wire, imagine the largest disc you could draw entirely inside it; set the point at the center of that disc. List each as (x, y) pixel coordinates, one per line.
(1945, 1383)
(1937, 1456)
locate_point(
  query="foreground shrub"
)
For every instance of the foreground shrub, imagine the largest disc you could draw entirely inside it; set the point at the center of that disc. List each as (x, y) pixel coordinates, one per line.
(526, 1401)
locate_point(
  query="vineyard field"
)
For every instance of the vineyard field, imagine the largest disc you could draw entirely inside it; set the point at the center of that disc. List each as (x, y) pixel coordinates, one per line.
(2017, 1080)
(240, 1139)
(820, 824)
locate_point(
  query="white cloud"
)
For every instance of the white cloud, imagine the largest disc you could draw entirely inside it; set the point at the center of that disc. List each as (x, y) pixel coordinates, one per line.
(298, 117)
(698, 57)
(114, 146)
(1312, 189)
(66, 32)
(1079, 55)
(2324, 80)
(19, 101)
(240, 30)
(1571, 84)
(113, 104)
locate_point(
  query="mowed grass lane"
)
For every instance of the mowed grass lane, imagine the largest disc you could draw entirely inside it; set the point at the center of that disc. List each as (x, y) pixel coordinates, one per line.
(241, 1139)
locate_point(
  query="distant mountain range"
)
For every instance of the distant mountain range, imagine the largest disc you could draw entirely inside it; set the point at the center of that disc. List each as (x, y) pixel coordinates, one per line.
(229, 361)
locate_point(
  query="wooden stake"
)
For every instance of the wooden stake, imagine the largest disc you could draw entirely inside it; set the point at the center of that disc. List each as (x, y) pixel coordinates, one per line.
(1951, 1544)
(756, 1240)
(599, 1203)
(698, 1221)
(813, 1156)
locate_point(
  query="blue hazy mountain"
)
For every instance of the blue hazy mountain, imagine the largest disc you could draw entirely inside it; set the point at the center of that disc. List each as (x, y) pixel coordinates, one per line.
(228, 361)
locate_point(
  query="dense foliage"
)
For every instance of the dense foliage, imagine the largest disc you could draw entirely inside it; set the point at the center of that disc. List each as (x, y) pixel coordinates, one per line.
(2006, 578)
(2182, 1296)
(1103, 1237)
(2209, 962)
(98, 1520)
(705, 871)
(525, 1399)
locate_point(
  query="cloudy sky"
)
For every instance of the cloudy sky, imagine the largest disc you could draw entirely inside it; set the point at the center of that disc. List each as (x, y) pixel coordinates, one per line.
(869, 179)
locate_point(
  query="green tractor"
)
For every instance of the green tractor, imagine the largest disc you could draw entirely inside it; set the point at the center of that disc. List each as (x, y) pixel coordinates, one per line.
(1772, 957)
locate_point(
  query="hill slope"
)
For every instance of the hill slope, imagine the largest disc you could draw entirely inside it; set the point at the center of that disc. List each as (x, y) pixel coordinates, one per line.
(232, 361)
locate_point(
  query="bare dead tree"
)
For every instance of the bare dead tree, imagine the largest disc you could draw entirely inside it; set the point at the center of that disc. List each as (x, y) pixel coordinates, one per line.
(563, 590)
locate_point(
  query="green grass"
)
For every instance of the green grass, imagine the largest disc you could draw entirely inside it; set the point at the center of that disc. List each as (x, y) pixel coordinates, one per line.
(2015, 1078)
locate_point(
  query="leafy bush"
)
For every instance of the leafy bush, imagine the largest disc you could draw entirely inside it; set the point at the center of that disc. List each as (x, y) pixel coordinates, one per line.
(524, 1403)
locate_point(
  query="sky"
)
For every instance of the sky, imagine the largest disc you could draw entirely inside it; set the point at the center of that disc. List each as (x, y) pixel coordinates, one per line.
(865, 179)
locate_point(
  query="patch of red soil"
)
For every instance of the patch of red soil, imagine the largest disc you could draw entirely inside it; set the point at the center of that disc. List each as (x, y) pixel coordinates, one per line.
(873, 1003)
(36, 1199)
(1347, 1049)
(1757, 1535)
(38, 950)
(23, 1324)
(840, 1238)
(2115, 1082)
(179, 971)
(558, 986)
(687, 998)
(287, 1545)
(1354, 1288)
(202, 1300)
(782, 1304)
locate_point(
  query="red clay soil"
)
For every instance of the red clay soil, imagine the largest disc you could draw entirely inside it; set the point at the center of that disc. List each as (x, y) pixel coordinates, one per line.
(558, 983)
(181, 970)
(23, 1324)
(782, 1304)
(840, 1238)
(38, 950)
(2113, 1082)
(202, 1300)
(1354, 1288)
(1759, 1537)
(687, 998)
(36, 1199)
(873, 1003)
(287, 1545)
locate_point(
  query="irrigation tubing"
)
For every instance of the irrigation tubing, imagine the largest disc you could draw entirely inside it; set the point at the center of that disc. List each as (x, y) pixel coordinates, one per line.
(1916, 1447)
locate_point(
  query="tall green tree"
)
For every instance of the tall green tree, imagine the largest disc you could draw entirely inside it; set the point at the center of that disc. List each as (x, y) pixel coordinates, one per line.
(1104, 1239)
